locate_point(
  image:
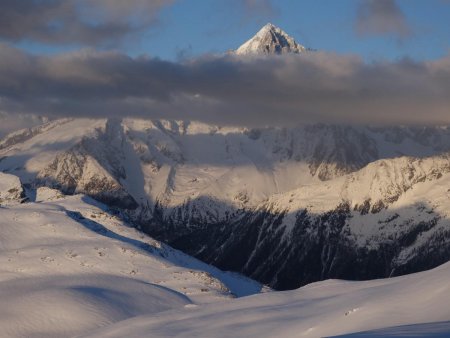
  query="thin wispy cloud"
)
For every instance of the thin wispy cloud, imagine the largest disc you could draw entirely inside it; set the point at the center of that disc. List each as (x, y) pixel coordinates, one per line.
(13, 122)
(382, 18)
(308, 88)
(263, 8)
(84, 22)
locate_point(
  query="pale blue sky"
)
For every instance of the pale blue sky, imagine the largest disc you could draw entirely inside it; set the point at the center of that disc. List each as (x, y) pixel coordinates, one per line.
(194, 27)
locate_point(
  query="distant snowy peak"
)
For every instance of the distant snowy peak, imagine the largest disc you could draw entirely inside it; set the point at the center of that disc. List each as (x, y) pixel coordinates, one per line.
(270, 40)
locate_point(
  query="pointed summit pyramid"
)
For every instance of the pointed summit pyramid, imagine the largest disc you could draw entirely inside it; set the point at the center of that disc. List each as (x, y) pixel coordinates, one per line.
(270, 40)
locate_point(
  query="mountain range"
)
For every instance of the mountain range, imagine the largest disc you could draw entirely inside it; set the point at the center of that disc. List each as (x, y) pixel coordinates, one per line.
(284, 206)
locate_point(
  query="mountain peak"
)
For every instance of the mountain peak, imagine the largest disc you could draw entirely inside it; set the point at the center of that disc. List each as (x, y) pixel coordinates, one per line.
(270, 40)
(270, 26)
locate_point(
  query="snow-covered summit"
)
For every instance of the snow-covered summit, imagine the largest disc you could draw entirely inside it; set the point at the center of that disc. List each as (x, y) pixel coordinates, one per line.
(270, 40)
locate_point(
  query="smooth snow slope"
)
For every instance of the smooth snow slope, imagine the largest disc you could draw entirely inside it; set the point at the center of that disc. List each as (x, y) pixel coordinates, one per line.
(429, 330)
(320, 309)
(67, 267)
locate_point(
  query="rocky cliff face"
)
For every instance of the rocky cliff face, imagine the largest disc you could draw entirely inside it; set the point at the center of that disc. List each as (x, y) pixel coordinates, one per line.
(93, 167)
(389, 218)
(11, 190)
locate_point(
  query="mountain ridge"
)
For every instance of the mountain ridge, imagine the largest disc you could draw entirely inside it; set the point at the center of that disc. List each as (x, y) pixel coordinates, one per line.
(274, 192)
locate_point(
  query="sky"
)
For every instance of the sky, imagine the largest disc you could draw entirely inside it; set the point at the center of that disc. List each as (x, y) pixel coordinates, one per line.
(375, 61)
(327, 25)
(187, 28)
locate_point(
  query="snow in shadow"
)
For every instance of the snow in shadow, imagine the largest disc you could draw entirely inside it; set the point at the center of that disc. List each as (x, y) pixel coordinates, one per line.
(238, 285)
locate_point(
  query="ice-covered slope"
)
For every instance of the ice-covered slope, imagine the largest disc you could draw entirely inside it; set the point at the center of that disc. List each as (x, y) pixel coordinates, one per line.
(67, 266)
(322, 309)
(270, 40)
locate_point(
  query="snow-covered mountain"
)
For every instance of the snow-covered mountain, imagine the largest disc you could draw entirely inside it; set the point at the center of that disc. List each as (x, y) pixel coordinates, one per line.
(70, 267)
(287, 207)
(284, 206)
(270, 40)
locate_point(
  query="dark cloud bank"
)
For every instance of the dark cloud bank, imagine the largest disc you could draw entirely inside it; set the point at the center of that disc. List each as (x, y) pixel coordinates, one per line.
(313, 87)
(307, 88)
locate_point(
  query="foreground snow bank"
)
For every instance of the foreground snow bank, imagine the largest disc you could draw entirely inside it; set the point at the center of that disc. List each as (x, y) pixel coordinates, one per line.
(321, 309)
(65, 305)
(68, 267)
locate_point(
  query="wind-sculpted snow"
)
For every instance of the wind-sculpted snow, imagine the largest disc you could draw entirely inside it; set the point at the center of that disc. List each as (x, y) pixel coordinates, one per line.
(287, 206)
(67, 266)
(324, 309)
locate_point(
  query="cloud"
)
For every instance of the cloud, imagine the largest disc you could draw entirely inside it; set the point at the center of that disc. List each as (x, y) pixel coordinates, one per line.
(261, 7)
(87, 22)
(13, 122)
(381, 17)
(263, 91)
